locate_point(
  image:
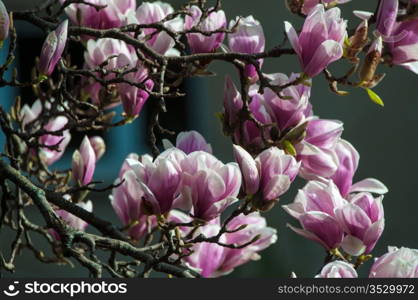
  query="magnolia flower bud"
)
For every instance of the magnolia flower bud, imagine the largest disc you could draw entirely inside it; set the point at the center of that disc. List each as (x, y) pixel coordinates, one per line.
(4, 23)
(317, 218)
(52, 49)
(372, 61)
(232, 104)
(248, 166)
(358, 41)
(348, 159)
(277, 171)
(200, 43)
(98, 145)
(84, 163)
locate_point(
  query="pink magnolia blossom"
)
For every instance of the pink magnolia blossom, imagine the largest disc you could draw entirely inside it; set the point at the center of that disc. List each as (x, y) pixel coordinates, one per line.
(363, 220)
(207, 257)
(133, 97)
(321, 40)
(126, 166)
(397, 263)
(153, 12)
(266, 108)
(106, 50)
(214, 260)
(337, 269)
(159, 180)
(110, 16)
(126, 200)
(200, 43)
(209, 186)
(269, 174)
(348, 159)
(256, 226)
(293, 110)
(104, 54)
(250, 134)
(400, 37)
(192, 141)
(247, 37)
(316, 152)
(84, 163)
(52, 49)
(314, 207)
(403, 44)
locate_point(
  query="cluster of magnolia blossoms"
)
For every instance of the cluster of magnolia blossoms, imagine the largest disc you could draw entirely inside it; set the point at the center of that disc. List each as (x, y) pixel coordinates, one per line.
(107, 55)
(322, 40)
(183, 177)
(316, 143)
(186, 183)
(355, 223)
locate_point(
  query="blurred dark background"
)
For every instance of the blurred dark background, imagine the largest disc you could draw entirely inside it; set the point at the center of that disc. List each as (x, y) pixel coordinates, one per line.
(386, 139)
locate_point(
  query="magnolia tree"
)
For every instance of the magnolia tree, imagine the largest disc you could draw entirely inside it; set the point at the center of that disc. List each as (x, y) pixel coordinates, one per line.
(182, 211)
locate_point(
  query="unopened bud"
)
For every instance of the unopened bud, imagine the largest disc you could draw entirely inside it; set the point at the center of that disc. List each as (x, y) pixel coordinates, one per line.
(358, 41)
(52, 49)
(372, 61)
